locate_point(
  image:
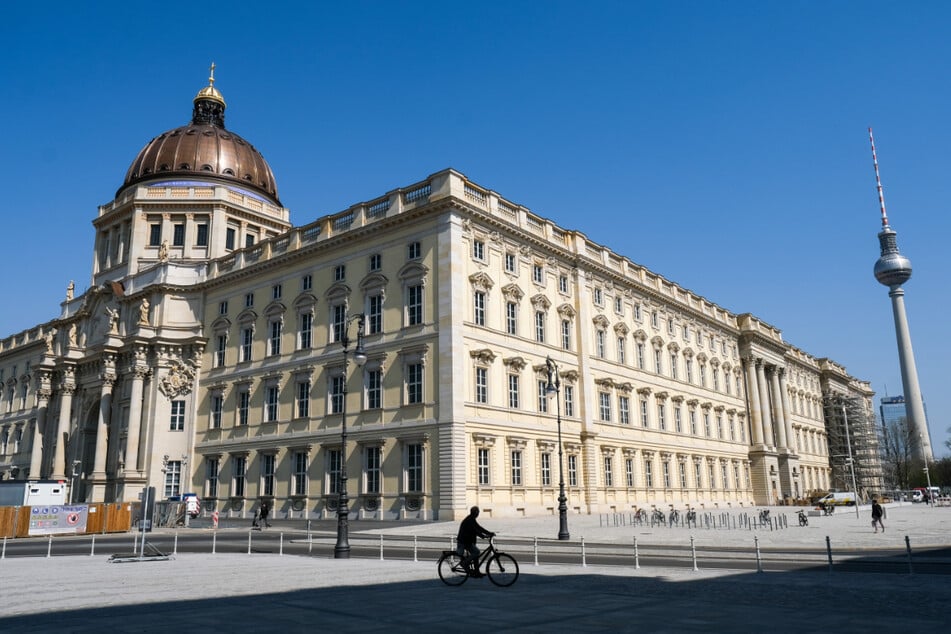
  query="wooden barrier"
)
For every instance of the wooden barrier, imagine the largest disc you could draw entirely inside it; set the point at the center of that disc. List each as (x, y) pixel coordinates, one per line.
(101, 518)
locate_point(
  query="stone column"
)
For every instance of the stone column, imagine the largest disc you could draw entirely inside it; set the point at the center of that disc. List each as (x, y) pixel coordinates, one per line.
(135, 422)
(65, 408)
(756, 416)
(763, 388)
(787, 412)
(36, 449)
(778, 417)
(102, 429)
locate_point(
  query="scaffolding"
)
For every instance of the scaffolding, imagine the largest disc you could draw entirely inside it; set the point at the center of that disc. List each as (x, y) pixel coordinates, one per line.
(853, 445)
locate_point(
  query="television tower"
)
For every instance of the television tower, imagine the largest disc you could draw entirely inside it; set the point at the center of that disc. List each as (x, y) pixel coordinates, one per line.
(893, 269)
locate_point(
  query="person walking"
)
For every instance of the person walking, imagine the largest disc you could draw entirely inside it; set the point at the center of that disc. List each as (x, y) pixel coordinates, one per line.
(265, 509)
(877, 513)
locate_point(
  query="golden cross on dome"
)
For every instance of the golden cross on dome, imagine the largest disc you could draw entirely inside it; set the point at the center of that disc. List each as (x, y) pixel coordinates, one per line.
(211, 79)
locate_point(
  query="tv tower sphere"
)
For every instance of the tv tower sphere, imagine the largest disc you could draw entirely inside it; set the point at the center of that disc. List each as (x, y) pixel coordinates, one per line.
(892, 269)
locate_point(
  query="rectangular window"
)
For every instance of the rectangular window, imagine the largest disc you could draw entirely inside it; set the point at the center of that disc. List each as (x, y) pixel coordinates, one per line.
(666, 466)
(244, 405)
(698, 474)
(305, 335)
(688, 369)
(658, 366)
(299, 481)
(538, 274)
(374, 320)
(414, 467)
(333, 471)
(478, 308)
(413, 251)
(274, 341)
(270, 403)
(621, 351)
(249, 240)
(211, 478)
(608, 471)
(599, 342)
(303, 399)
(306, 282)
(223, 308)
(661, 415)
(654, 319)
(178, 416)
(703, 375)
(673, 365)
(178, 235)
(217, 403)
(513, 391)
(716, 379)
(338, 318)
(682, 467)
(414, 305)
(732, 428)
(642, 403)
(629, 471)
(720, 426)
(173, 478)
(248, 300)
(569, 400)
(483, 466)
(373, 470)
(374, 389)
(640, 355)
(706, 424)
(618, 305)
(414, 383)
(201, 235)
(510, 262)
(563, 283)
(604, 402)
(221, 344)
(511, 318)
(340, 272)
(566, 334)
(648, 473)
(598, 297)
(376, 262)
(267, 474)
(155, 235)
(546, 469)
(693, 422)
(637, 312)
(624, 410)
(239, 476)
(478, 250)
(540, 327)
(678, 419)
(516, 457)
(336, 394)
(276, 291)
(247, 337)
(724, 481)
(230, 239)
(713, 476)
(572, 470)
(481, 385)
(542, 397)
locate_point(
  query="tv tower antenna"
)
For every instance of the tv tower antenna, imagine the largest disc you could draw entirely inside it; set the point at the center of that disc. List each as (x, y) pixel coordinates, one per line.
(878, 180)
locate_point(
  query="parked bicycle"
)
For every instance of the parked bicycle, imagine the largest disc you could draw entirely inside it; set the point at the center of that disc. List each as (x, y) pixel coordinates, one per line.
(640, 517)
(501, 568)
(764, 516)
(658, 517)
(803, 520)
(674, 517)
(691, 517)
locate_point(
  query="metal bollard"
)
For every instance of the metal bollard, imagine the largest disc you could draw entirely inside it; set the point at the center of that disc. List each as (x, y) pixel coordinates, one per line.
(908, 550)
(381, 546)
(175, 549)
(759, 561)
(249, 542)
(3, 553)
(535, 549)
(92, 547)
(281, 552)
(829, 551)
(49, 547)
(584, 559)
(214, 539)
(693, 554)
(415, 548)
(637, 558)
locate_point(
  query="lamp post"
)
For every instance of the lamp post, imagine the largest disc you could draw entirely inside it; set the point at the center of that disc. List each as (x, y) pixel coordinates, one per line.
(927, 473)
(554, 389)
(342, 547)
(72, 481)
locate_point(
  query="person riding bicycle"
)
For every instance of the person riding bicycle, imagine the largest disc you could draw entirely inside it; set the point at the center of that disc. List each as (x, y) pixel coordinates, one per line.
(469, 532)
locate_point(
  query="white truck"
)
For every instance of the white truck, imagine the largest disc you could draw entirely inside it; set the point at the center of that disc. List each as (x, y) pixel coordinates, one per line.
(837, 499)
(32, 492)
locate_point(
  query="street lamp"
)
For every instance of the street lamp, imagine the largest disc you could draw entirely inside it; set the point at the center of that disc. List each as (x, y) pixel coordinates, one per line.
(554, 389)
(72, 481)
(342, 548)
(927, 473)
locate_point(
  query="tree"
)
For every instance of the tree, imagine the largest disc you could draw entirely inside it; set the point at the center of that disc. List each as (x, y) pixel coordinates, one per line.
(898, 454)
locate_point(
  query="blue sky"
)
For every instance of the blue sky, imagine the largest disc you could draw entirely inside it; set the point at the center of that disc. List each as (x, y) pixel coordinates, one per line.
(721, 144)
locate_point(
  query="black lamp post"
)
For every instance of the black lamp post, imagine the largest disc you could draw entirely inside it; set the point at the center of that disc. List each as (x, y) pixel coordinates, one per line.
(554, 389)
(342, 548)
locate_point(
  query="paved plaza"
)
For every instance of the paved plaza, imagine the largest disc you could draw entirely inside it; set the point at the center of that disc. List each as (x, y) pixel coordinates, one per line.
(269, 592)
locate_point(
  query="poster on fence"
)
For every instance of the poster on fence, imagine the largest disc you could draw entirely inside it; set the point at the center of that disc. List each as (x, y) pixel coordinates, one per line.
(58, 520)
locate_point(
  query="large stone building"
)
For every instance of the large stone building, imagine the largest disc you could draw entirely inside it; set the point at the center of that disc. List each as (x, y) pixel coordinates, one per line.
(208, 354)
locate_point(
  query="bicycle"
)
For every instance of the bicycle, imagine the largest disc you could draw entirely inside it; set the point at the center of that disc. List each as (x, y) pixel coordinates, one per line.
(674, 517)
(640, 517)
(658, 517)
(501, 568)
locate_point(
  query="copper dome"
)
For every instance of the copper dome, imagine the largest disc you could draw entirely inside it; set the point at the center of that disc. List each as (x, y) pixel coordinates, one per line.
(204, 149)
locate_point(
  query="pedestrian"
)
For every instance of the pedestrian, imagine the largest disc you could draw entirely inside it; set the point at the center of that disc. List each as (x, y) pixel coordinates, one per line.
(877, 513)
(265, 509)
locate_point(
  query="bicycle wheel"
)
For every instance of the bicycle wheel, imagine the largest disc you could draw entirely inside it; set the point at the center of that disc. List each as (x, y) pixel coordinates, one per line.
(502, 570)
(451, 570)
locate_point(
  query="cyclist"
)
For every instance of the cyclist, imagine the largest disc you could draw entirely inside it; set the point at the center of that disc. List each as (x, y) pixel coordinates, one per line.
(469, 532)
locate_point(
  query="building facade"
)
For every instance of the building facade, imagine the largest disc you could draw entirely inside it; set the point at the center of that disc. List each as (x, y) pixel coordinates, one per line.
(208, 355)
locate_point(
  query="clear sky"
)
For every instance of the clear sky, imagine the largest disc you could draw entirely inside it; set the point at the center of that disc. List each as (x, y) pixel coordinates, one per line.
(721, 144)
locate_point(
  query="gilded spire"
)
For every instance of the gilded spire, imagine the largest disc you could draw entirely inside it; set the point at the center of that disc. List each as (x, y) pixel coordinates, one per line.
(210, 92)
(209, 104)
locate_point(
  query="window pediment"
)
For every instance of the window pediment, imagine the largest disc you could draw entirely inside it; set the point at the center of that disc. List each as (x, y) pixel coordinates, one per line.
(512, 292)
(481, 281)
(337, 292)
(567, 311)
(540, 302)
